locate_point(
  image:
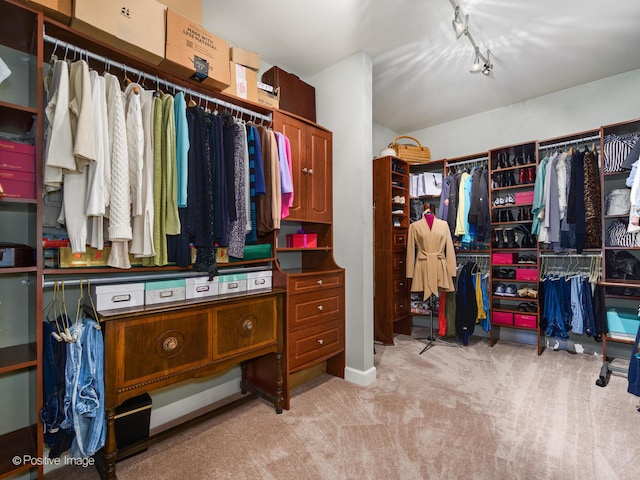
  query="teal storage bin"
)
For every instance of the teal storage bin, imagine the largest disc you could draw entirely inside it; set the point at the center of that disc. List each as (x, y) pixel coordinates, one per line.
(626, 322)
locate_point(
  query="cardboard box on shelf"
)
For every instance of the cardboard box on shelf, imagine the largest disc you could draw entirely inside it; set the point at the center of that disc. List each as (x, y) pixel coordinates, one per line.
(136, 27)
(192, 9)
(268, 95)
(195, 53)
(59, 10)
(245, 57)
(244, 82)
(199, 287)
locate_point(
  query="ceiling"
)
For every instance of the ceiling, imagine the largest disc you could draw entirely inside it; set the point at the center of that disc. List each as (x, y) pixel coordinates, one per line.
(421, 72)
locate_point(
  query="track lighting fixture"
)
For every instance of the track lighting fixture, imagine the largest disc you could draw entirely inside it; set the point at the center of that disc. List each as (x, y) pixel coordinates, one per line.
(460, 25)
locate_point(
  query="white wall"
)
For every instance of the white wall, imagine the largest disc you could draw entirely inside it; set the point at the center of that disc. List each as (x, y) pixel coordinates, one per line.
(573, 110)
(344, 103)
(382, 137)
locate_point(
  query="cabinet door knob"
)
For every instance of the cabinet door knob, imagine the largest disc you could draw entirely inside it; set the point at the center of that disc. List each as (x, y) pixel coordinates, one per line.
(319, 282)
(311, 171)
(320, 307)
(305, 170)
(401, 239)
(320, 341)
(402, 284)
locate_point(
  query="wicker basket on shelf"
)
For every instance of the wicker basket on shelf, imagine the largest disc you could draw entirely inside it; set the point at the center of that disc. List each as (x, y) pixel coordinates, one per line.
(411, 153)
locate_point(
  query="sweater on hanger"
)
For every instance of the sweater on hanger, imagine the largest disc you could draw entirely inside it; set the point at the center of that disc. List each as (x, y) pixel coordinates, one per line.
(120, 201)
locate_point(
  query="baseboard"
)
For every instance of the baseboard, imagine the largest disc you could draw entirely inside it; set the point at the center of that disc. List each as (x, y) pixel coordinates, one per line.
(187, 406)
(360, 377)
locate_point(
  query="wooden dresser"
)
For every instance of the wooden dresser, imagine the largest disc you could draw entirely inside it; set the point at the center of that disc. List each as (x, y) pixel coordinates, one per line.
(160, 345)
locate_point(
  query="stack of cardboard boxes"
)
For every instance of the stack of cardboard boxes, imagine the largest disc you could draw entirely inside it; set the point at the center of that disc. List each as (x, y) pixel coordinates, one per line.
(168, 34)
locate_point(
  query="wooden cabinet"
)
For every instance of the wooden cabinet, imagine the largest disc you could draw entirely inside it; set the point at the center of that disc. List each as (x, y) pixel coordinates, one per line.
(311, 151)
(392, 312)
(164, 344)
(314, 327)
(20, 286)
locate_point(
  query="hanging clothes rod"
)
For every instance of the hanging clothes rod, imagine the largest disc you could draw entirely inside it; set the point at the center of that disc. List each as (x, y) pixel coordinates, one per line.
(142, 278)
(569, 142)
(174, 86)
(465, 162)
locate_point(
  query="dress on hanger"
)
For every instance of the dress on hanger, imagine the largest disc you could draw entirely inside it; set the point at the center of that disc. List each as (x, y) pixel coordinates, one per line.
(431, 260)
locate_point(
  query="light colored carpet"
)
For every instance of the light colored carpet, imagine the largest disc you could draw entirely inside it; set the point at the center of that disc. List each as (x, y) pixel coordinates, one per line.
(451, 413)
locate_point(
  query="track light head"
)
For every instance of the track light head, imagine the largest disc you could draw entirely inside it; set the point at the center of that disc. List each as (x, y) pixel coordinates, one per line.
(459, 23)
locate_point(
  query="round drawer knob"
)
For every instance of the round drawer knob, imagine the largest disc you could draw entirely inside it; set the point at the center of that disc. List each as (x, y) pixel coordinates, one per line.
(170, 344)
(320, 307)
(320, 282)
(247, 325)
(305, 170)
(311, 171)
(320, 341)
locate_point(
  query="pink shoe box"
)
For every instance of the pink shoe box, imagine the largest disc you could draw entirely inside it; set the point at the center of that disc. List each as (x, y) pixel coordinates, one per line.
(502, 318)
(521, 320)
(530, 274)
(17, 156)
(17, 184)
(504, 258)
(524, 198)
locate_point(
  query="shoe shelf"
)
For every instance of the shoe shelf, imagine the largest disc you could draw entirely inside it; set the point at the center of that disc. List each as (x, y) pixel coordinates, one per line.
(513, 174)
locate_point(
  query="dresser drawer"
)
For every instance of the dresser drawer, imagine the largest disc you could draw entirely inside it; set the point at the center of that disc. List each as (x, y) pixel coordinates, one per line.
(157, 346)
(398, 239)
(314, 307)
(238, 328)
(399, 264)
(400, 307)
(315, 344)
(400, 285)
(316, 281)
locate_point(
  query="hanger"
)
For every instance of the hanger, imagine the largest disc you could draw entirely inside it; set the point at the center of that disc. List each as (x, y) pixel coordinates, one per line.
(192, 102)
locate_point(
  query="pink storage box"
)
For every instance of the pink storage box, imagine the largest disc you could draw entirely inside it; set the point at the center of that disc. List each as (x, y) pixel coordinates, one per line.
(520, 320)
(503, 258)
(17, 156)
(302, 240)
(502, 318)
(527, 274)
(523, 198)
(17, 184)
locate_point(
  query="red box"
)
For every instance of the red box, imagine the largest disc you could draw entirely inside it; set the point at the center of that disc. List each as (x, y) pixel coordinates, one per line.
(502, 318)
(17, 156)
(521, 320)
(523, 198)
(527, 274)
(503, 258)
(16, 184)
(302, 240)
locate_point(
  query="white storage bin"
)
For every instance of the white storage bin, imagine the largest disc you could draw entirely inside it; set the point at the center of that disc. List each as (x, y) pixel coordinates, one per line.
(121, 295)
(236, 283)
(199, 287)
(164, 291)
(259, 280)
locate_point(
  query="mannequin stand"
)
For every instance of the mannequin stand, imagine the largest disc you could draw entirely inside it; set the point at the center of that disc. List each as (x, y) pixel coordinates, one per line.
(432, 339)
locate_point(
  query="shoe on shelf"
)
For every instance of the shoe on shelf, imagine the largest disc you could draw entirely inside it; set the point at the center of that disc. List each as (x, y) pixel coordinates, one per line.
(500, 289)
(532, 293)
(523, 292)
(510, 290)
(531, 307)
(397, 212)
(510, 199)
(523, 307)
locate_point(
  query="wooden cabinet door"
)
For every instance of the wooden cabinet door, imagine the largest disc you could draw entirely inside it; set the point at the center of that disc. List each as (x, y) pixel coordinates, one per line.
(319, 175)
(295, 131)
